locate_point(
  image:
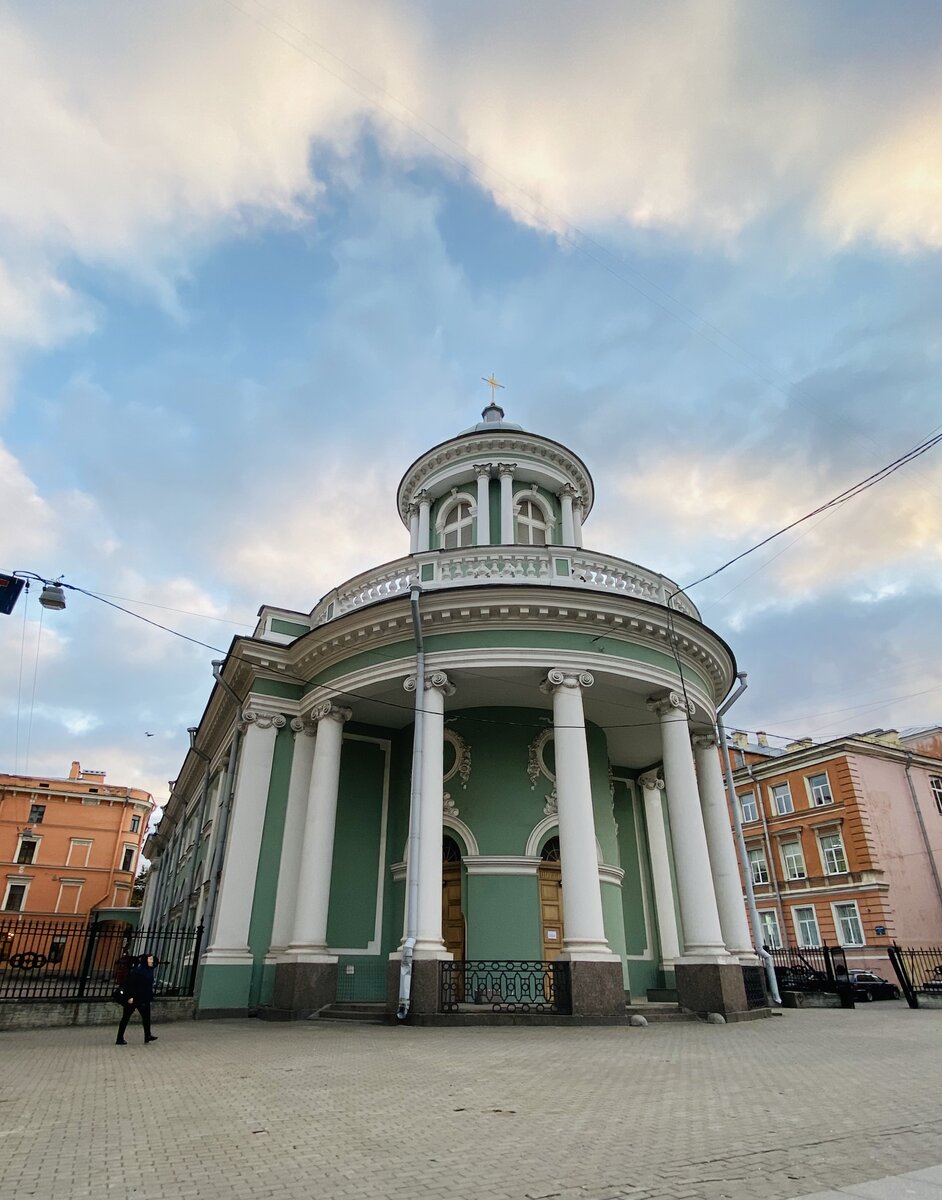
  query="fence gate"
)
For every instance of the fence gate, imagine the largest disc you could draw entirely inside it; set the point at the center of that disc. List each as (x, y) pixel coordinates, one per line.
(919, 972)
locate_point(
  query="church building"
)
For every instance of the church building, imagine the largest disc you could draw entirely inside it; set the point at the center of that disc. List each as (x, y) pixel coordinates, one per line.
(481, 777)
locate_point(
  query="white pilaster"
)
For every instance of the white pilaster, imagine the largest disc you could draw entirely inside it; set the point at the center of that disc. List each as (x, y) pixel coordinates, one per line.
(703, 937)
(289, 869)
(230, 942)
(309, 935)
(412, 511)
(424, 501)
(506, 473)
(652, 789)
(726, 879)
(582, 897)
(483, 473)
(567, 494)
(429, 943)
(577, 513)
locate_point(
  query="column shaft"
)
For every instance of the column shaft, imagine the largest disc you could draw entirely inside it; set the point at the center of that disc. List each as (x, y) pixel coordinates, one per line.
(289, 869)
(652, 788)
(484, 505)
(424, 501)
(506, 472)
(569, 530)
(413, 528)
(429, 942)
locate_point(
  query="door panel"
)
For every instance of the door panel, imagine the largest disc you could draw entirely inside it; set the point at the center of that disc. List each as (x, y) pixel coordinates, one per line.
(551, 909)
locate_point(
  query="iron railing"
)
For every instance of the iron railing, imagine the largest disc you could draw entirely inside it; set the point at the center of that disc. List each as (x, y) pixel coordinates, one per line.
(753, 979)
(919, 972)
(511, 986)
(813, 969)
(83, 960)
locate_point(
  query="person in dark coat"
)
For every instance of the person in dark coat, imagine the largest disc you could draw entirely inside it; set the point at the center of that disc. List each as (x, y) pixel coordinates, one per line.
(138, 994)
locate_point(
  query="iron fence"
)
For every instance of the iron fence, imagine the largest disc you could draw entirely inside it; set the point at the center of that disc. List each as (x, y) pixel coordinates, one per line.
(813, 969)
(79, 960)
(514, 986)
(919, 972)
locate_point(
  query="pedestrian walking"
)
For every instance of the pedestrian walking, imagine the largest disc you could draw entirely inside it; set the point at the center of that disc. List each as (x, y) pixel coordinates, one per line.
(138, 994)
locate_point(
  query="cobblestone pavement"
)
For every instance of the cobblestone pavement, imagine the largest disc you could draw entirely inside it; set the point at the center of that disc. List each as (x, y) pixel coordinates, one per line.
(805, 1102)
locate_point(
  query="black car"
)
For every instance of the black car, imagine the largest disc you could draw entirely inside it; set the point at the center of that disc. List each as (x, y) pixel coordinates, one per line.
(800, 979)
(868, 986)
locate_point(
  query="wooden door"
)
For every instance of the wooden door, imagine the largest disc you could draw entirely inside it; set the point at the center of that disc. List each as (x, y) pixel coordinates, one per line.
(452, 916)
(551, 908)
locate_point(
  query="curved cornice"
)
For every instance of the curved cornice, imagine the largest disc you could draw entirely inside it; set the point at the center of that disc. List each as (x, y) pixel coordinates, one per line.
(470, 446)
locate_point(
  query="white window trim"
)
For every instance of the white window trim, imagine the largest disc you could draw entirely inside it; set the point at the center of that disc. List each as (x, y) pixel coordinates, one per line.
(804, 866)
(124, 849)
(70, 883)
(12, 882)
(936, 793)
(770, 912)
(441, 519)
(824, 862)
(812, 803)
(773, 803)
(837, 922)
(752, 864)
(28, 837)
(796, 926)
(87, 843)
(747, 795)
(549, 520)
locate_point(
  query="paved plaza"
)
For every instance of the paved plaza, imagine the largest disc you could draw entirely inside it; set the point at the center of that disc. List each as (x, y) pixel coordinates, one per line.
(807, 1102)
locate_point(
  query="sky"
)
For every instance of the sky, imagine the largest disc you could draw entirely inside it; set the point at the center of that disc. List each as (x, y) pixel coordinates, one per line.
(255, 258)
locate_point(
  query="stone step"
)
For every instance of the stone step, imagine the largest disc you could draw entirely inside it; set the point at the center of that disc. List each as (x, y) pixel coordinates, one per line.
(367, 1014)
(654, 1012)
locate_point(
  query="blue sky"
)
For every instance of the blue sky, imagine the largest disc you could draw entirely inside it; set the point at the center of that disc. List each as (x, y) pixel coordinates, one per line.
(254, 258)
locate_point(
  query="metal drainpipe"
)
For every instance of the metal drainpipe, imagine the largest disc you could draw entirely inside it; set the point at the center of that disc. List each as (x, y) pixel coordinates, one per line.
(751, 908)
(922, 827)
(225, 808)
(192, 731)
(412, 857)
(770, 860)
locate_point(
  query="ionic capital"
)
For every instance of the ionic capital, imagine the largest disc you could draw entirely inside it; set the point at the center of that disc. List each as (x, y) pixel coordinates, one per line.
(262, 720)
(302, 726)
(422, 497)
(328, 711)
(568, 490)
(412, 510)
(662, 705)
(506, 470)
(559, 678)
(435, 681)
(482, 469)
(651, 781)
(706, 740)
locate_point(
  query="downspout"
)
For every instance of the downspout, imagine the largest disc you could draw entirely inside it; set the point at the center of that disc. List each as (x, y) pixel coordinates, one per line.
(769, 855)
(922, 828)
(225, 808)
(192, 731)
(412, 854)
(751, 908)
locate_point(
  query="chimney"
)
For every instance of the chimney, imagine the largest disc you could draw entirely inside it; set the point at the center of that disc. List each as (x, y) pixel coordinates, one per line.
(762, 737)
(801, 744)
(739, 739)
(75, 771)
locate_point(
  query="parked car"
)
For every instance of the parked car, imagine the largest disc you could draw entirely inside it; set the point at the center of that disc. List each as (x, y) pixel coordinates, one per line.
(800, 979)
(868, 986)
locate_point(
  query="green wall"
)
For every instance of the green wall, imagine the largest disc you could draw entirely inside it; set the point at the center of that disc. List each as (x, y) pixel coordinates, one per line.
(351, 916)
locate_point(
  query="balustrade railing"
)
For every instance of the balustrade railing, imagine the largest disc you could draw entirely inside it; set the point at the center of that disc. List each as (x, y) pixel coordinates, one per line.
(475, 565)
(511, 986)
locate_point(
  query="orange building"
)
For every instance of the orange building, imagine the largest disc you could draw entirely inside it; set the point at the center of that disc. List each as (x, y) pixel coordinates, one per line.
(70, 846)
(844, 840)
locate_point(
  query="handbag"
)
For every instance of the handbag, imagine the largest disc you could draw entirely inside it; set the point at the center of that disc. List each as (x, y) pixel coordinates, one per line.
(119, 996)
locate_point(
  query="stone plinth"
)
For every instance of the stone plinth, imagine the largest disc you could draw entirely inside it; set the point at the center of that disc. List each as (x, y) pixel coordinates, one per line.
(711, 987)
(598, 989)
(303, 988)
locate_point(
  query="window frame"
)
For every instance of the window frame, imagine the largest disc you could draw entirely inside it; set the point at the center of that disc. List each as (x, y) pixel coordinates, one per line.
(446, 526)
(824, 851)
(11, 884)
(784, 845)
(27, 839)
(742, 807)
(838, 927)
(755, 862)
(935, 787)
(547, 520)
(135, 823)
(132, 850)
(780, 812)
(770, 927)
(33, 819)
(813, 800)
(797, 926)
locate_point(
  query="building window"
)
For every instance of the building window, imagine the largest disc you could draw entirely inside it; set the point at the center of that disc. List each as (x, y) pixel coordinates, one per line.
(758, 866)
(456, 528)
(771, 934)
(750, 810)
(26, 852)
(127, 860)
(935, 782)
(70, 892)
(782, 799)
(79, 851)
(847, 921)
(135, 824)
(807, 932)
(36, 814)
(832, 854)
(793, 860)
(820, 790)
(15, 898)
(531, 524)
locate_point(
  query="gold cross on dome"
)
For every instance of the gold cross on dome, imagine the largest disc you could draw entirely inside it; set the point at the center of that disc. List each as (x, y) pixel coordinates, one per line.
(493, 385)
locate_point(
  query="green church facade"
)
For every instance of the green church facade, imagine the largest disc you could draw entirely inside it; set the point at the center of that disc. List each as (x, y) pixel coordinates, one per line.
(499, 749)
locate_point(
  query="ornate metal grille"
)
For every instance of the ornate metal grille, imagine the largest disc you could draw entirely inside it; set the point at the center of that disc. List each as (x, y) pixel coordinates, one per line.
(512, 986)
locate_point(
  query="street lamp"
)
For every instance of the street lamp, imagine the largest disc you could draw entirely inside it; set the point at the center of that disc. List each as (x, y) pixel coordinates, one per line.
(52, 596)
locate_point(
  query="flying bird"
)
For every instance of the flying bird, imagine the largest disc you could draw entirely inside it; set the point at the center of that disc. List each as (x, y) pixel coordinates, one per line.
(146, 734)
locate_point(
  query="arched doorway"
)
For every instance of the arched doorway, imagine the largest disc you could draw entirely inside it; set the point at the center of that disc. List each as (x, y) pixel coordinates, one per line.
(550, 878)
(453, 931)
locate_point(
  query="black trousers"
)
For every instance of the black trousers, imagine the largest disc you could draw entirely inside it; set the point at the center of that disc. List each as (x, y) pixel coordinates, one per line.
(142, 1007)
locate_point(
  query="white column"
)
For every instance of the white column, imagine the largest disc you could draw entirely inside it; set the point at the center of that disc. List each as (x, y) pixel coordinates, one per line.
(582, 896)
(577, 522)
(506, 473)
(660, 867)
(289, 869)
(412, 512)
(726, 878)
(703, 937)
(150, 894)
(483, 473)
(566, 495)
(429, 943)
(309, 936)
(424, 501)
(244, 838)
